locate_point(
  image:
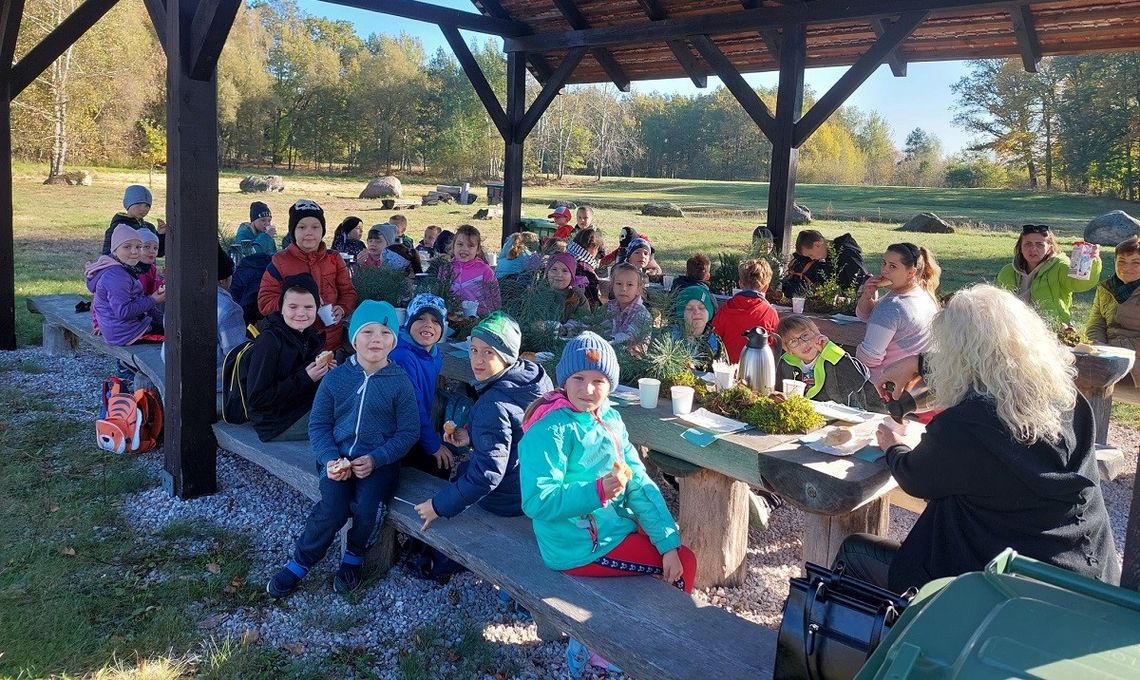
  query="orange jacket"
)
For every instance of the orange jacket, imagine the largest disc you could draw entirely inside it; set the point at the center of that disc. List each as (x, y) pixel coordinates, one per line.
(333, 281)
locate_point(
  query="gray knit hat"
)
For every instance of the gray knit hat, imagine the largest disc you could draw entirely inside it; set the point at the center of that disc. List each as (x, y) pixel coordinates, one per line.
(136, 193)
(502, 333)
(588, 352)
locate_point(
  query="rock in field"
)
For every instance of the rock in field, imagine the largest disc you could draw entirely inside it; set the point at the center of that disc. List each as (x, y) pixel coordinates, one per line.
(661, 210)
(1111, 228)
(257, 183)
(801, 214)
(491, 213)
(928, 223)
(383, 187)
(77, 178)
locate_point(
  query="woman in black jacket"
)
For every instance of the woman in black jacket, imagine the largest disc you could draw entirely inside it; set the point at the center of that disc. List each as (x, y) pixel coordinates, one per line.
(1010, 462)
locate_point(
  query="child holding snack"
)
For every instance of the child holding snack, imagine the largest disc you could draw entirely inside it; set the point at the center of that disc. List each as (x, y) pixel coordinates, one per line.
(595, 510)
(419, 355)
(471, 277)
(629, 322)
(831, 374)
(362, 424)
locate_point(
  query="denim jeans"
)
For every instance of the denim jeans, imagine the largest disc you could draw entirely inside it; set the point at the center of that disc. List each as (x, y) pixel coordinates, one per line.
(363, 500)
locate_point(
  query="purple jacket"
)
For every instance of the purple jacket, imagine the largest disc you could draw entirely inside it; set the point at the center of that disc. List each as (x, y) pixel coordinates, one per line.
(125, 313)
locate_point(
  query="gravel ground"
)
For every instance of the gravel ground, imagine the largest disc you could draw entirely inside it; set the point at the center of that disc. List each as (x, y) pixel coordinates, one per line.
(383, 619)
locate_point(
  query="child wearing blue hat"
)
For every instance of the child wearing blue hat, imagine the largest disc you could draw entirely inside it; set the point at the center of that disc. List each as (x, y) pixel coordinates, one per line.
(419, 355)
(361, 425)
(137, 200)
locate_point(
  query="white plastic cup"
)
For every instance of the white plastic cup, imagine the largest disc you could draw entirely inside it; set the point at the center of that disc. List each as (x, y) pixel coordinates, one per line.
(722, 377)
(667, 281)
(798, 305)
(895, 426)
(794, 387)
(682, 399)
(326, 314)
(492, 259)
(650, 390)
(470, 307)
(402, 315)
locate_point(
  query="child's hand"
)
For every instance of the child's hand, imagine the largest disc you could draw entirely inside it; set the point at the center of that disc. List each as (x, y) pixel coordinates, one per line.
(458, 437)
(272, 230)
(443, 458)
(362, 466)
(337, 471)
(317, 371)
(612, 486)
(161, 226)
(159, 296)
(338, 314)
(777, 397)
(426, 512)
(671, 569)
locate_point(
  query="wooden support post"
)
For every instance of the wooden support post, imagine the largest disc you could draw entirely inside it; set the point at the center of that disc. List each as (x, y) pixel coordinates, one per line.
(513, 156)
(11, 11)
(1130, 575)
(823, 534)
(789, 105)
(713, 518)
(58, 341)
(192, 260)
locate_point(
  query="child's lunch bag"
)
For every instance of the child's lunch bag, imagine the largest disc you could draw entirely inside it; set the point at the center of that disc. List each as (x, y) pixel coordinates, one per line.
(129, 422)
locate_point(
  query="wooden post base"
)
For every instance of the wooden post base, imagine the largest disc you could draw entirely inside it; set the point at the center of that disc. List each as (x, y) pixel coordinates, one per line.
(59, 342)
(713, 518)
(383, 553)
(823, 533)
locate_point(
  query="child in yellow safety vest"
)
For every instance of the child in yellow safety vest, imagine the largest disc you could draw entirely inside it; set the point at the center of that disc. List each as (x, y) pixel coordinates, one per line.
(830, 373)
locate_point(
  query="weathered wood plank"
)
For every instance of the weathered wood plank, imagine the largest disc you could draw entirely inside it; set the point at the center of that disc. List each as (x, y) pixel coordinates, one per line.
(713, 518)
(58, 341)
(647, 628)
(823, 534)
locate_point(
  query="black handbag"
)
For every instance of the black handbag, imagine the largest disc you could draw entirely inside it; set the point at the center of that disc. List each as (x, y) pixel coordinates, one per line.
(832, 622)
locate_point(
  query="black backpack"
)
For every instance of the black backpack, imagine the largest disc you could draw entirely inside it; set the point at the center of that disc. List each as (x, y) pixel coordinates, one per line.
(235, 368)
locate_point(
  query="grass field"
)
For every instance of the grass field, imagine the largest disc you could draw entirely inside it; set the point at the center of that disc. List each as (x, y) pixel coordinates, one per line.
(59, 228)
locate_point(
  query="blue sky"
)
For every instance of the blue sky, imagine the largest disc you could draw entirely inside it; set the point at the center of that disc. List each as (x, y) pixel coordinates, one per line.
(922, 99)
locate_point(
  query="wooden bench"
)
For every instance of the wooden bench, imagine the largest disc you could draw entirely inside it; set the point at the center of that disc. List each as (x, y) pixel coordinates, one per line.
(648, 629)
(64, 329)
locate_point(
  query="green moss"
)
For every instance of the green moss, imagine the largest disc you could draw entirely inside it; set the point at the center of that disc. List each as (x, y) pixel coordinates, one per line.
(791, 416)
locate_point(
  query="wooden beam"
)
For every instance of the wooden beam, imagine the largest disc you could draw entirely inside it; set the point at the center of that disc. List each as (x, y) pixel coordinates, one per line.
(789, 104)
(770, 36)
(478, 79)
(819, 11)
(211, 26)
(539, 66)
(513, 155)
(11, 13)
(443, 16)
(192, 259)
(610, 65)
(550, 90)
(856, 75)
(157, 11)
(679, 48)
(894, 59)
(32, 64)
(753, 105)
(1027, 41)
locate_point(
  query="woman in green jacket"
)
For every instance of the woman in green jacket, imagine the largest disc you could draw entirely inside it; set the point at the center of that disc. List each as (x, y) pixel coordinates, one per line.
(1115, 316)
(1039, 274)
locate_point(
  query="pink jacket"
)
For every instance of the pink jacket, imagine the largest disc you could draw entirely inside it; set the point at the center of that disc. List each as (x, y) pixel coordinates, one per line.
(474, 280)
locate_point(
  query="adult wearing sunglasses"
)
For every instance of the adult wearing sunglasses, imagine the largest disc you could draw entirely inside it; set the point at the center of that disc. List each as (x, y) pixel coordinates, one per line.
(1039, 274)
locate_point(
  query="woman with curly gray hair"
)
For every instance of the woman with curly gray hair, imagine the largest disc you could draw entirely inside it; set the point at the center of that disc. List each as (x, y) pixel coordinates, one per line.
(1009, 462)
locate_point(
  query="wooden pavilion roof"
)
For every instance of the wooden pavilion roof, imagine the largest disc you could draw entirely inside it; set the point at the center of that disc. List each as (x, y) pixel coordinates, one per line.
(951, 31)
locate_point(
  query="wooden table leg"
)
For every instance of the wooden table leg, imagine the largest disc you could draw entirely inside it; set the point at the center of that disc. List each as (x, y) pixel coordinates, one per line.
(58, 341)
(824, 533)
(714, 524)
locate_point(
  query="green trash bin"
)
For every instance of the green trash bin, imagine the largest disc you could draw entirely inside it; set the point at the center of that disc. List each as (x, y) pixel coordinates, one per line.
(1019, 618)
(543, 227)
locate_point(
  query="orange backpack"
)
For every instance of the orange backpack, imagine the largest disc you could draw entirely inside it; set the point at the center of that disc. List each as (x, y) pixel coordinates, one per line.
(128, 422)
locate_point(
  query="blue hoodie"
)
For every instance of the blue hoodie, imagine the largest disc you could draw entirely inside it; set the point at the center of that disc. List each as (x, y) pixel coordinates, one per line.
(358, 415)
(491, 478)
(423, 367)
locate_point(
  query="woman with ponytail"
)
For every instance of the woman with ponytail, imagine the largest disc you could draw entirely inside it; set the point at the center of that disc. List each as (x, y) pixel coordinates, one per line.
(898, 323)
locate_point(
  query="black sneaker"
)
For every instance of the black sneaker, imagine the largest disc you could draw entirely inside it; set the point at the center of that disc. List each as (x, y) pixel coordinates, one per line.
(282, 584)
(347, 578)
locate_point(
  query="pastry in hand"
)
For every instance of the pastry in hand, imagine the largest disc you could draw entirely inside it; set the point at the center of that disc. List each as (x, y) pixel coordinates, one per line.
(623, 472)
(838, 437)
(340, 465)
(324, 358)
(448, 427)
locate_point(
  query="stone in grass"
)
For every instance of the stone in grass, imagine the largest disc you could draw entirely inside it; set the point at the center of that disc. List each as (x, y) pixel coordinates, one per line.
(383, 187)
(488, 213)
(662, 210)
(1111, 228)
(928, 223)
(77, 178)
(257, 183)
(801, 214)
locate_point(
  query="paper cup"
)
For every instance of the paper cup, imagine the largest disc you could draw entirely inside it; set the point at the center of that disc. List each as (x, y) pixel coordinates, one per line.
(682, 399)
(326, 314)
(1081, 261)
(402, 315)
(492, 259)
(470, 307)
(667, 281)
(794, 387)
(798, 305)
(722, 377)
(650, 390)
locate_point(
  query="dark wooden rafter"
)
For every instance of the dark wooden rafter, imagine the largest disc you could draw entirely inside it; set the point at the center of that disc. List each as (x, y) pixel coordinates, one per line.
(610, 65)
(478, 80)
(753, 105)
(856, 75)
(770, 36)
(819, 11)
(157, 11)
(208, 32)
(539, 66)
(789, 105)
(547, 94)
(1027, 41)
(54, 44)
(11, 13)
(679, 48)
(443, 16)
(895, 59)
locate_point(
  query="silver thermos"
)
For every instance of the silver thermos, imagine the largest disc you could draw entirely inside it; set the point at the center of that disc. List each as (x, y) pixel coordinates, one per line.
(757, 367)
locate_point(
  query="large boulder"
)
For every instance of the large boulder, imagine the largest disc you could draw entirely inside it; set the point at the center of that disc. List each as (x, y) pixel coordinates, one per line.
(661, 210)
(1111, 228)
(77, 178)
(928, 223)
(383, 187)
(251, 184)
(491, 213)
(801, 214)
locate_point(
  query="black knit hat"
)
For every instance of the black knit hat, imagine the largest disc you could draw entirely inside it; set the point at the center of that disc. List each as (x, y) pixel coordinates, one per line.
(305, 281)
(304, 208)
(257, 210)
(225, 264)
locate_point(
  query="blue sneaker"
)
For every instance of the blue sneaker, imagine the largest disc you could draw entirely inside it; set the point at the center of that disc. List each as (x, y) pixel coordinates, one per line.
(282, 584)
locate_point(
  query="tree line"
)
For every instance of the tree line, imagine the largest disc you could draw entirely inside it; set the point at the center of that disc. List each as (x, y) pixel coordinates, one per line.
(297, 91)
